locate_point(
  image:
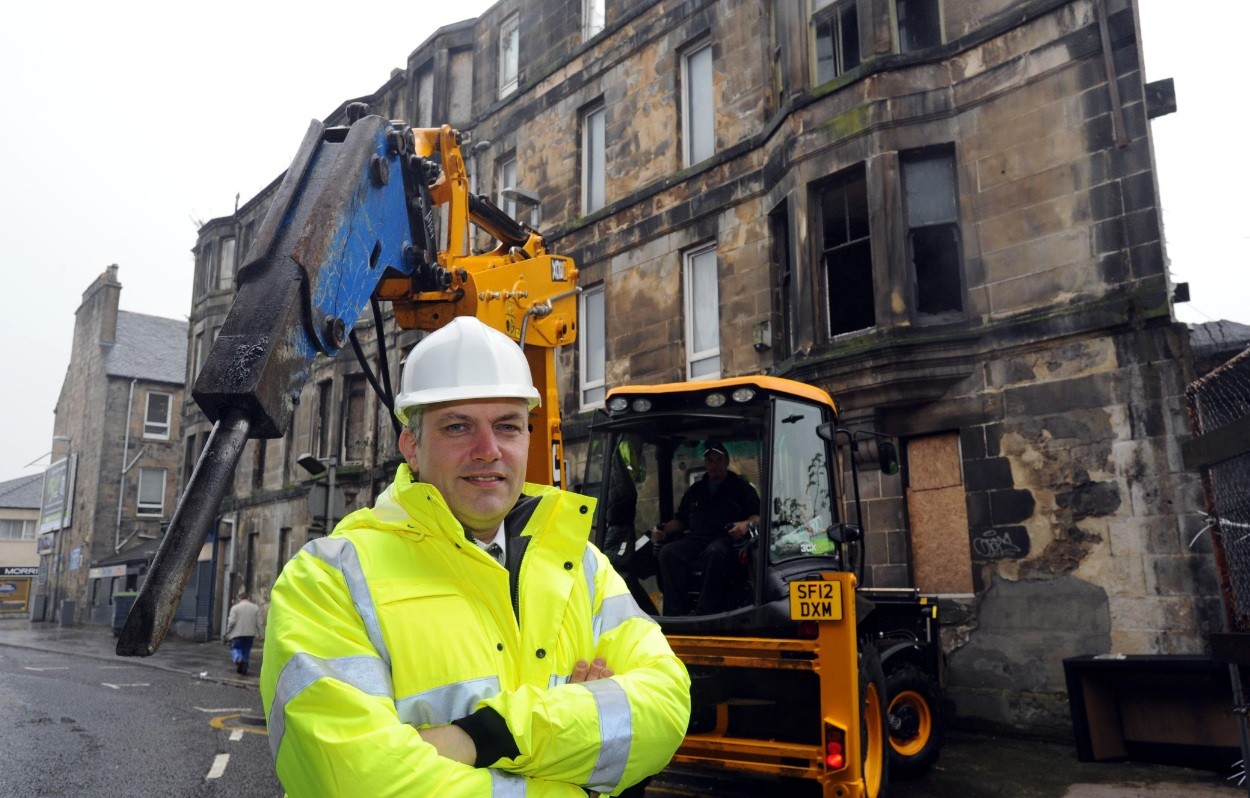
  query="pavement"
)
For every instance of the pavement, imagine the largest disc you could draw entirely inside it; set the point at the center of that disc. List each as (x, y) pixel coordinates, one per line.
(209, 661)
(972, 764)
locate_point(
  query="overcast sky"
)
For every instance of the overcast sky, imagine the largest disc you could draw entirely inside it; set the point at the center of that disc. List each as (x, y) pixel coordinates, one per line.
(124, 125)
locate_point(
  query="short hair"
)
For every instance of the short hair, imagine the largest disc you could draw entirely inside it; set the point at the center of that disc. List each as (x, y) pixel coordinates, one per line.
(415, 416)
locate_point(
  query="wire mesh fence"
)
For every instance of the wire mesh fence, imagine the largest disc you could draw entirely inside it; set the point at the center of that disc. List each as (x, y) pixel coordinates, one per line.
(1219, 406)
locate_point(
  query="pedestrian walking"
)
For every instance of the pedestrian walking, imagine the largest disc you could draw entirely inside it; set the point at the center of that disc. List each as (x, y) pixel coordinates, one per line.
(244, 624)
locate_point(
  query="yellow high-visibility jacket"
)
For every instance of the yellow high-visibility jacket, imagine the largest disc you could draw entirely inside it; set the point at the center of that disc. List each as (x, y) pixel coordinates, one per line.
(397, 622)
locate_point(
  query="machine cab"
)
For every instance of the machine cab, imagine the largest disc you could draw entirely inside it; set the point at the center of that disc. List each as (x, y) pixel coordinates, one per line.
(647, 449)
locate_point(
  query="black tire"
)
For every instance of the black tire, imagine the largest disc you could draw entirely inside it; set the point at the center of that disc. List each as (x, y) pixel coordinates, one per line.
(915, 721)
(874, 733)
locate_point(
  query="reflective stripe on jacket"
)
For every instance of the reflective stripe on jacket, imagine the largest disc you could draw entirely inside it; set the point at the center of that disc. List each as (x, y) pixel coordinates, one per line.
(397, 622)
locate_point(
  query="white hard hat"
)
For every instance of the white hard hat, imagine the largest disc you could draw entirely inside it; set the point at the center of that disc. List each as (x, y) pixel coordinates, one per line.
(464, 360)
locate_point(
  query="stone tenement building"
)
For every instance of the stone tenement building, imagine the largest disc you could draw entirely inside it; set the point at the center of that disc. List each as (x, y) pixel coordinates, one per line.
(943, 213)
(118, 420)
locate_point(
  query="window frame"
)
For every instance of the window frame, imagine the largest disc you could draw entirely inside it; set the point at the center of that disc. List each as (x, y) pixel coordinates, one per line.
(504, 166)
(691, 306)
(167, 424)
(594, 160)
(897, 18)
(354, 388)
(854, 174)
(509, 64)
(691, 135)
(149, 509)
(594, 18)
(834, 13)
(226, 262)
(945, 152)
(25, 529)
(323, 418)
(585, 357)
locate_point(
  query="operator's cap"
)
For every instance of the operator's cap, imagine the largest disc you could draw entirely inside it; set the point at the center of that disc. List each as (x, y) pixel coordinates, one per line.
(714, 446)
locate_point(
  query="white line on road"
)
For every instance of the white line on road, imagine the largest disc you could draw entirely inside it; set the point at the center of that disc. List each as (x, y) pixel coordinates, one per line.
(224, 709)
(236, 735)
(45, 669)
(120, 686)
(219, 766)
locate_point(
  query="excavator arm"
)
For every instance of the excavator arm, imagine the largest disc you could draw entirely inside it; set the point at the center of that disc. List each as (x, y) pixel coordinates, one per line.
(353, 221)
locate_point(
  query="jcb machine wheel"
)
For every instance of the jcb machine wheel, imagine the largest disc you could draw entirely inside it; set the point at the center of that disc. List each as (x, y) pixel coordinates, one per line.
(874, 733)
(915, 721)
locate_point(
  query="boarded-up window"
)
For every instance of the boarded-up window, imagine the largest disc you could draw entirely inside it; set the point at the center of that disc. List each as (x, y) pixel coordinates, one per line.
(937, 507)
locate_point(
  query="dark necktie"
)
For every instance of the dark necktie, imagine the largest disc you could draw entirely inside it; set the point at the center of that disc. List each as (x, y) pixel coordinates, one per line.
(496, 552)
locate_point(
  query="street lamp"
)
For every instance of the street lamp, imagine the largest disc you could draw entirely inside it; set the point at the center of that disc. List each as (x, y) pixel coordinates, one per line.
(317, 466)
(60, 532)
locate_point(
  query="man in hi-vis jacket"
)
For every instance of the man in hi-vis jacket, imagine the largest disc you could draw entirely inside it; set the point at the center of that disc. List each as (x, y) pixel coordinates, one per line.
(462, 637)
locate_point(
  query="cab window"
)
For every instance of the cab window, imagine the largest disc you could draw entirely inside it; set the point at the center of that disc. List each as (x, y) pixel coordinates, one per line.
(801, 512)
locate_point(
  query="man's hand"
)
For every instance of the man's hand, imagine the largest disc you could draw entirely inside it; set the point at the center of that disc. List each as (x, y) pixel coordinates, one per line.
(737, 530)
(451, 742)
(583, 672)
(658, 533)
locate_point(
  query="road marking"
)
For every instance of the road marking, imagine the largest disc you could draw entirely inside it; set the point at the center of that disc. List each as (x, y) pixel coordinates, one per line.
(120, 686)
(223, 709)
(219, 766)
(238, 724)
(46, 669)
(236, 735)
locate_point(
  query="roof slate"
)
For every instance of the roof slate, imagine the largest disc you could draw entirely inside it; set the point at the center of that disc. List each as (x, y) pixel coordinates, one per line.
(148, 348)
(23, 493)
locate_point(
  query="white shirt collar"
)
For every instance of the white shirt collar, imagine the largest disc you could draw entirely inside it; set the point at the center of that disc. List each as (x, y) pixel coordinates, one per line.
(500, 539)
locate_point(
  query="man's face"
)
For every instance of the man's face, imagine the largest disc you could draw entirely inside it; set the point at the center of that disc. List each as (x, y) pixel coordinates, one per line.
(717, 465)
(475, 453)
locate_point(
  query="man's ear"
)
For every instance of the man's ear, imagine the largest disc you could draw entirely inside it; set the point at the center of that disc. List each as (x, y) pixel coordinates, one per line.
(408, 448)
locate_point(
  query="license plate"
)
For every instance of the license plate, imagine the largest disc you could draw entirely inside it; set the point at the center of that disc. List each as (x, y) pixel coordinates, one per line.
(815, 601)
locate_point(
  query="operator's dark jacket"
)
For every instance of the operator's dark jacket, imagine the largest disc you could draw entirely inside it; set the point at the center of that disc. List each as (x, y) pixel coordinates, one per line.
(705, 513)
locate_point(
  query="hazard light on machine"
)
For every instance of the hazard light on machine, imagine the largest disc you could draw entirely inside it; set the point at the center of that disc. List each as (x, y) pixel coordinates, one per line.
(815, 601)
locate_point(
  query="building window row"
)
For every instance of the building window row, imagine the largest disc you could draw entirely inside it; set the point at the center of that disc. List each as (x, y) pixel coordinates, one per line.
(17, 529)
(847, 276)
(933, 245)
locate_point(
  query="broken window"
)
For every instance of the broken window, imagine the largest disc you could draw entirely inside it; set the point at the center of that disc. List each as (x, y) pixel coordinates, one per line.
(836, 30)
(933, 232)
(846, 252)
(919, 24)
(779, 226)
